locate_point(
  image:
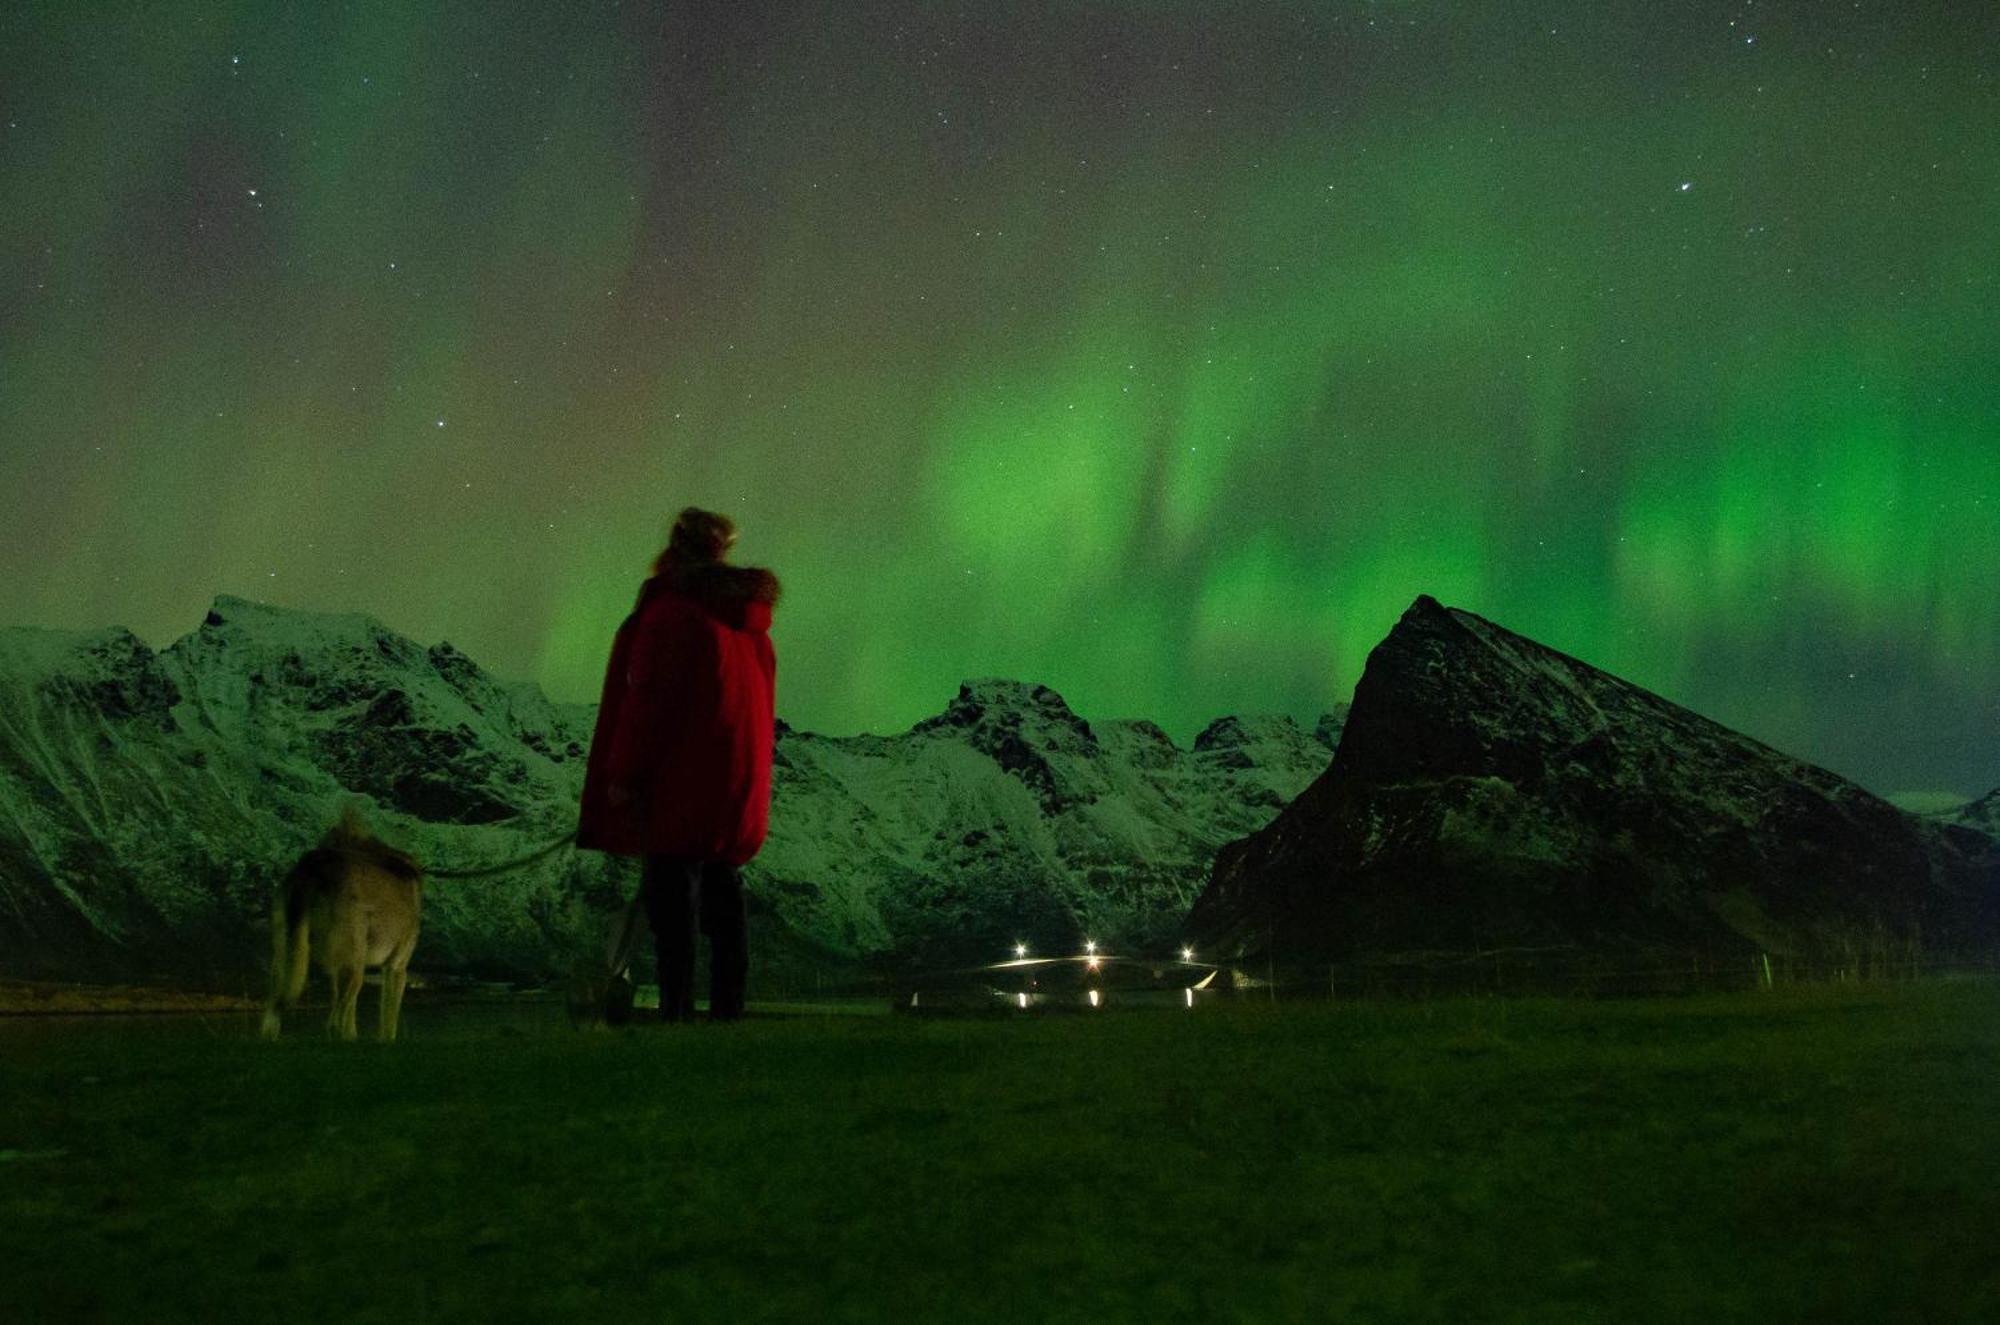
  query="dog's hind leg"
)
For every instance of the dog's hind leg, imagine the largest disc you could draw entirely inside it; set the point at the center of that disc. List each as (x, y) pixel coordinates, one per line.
(393, 978)
(346, 995)
(395, 974)
(345, 957)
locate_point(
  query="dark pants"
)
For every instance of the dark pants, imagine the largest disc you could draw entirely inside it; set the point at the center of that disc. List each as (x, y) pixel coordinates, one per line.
(683, 896)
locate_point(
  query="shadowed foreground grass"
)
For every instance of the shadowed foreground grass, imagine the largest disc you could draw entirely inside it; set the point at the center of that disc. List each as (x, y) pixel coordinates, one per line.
(1798, 1155)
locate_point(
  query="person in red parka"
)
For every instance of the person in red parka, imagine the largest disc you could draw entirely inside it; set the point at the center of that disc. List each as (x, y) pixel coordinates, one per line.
(680, 761)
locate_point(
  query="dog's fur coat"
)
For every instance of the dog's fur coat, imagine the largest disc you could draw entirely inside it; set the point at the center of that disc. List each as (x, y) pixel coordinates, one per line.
(354, 902)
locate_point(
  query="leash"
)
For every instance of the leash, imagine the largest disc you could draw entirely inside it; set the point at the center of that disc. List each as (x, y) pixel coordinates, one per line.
(567, 839)
(624, 938)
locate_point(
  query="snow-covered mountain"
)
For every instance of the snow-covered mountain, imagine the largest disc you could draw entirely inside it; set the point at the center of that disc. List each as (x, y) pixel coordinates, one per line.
(1007, 818)
(151, 799)
(1491, 793)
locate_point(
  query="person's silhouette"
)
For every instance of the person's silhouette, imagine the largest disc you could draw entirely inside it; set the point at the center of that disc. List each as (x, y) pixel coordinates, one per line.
(680, 762)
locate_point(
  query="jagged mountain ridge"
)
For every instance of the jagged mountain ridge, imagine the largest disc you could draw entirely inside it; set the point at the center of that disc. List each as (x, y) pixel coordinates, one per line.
(1101, 827)
(1982, 815)
(1491, 793)
(152, 798)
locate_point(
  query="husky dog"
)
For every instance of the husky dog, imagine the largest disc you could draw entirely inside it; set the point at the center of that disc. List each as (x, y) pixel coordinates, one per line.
(357, 900)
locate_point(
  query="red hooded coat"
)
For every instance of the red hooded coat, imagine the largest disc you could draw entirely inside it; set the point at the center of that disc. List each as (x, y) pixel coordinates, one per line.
(686, 721)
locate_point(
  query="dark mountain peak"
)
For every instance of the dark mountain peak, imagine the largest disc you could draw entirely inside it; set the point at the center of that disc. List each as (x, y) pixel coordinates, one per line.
(109, 673)
(1448, 690)
(249, 614)
(1234, 731)
(226, 606)
(27, 651)
(1426, 606)
(1224, 733)
(1489, 791)
(1147, 732)
(114, 642)
(1022, 705)
(1020, 725)
(1240, 731)
(269, 639)
(423, 731)
(113, 650)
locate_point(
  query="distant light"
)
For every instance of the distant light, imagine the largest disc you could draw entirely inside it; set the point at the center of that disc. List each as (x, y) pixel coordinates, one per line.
(1093, 998)
(1020, 949)
(1024, 998)
(1190, 996)
(1090, 945)
(1092, 963)
(1187, 954)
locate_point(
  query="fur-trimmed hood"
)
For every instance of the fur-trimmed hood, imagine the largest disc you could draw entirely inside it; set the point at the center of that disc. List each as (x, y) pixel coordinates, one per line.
(740, 596)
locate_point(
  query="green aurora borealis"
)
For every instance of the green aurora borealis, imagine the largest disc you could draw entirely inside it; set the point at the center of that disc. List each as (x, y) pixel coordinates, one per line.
(1160, 352)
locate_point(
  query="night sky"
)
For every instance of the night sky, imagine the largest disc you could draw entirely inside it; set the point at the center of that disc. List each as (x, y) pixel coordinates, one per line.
(1161, 352)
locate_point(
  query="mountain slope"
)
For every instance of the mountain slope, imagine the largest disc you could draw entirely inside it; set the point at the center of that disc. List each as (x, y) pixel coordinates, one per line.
(1008, 818)
(1492, 793)
(1982, 815)
(149, 800)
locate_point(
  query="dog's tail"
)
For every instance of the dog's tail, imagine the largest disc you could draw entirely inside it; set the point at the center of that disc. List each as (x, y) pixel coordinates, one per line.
(291, 944)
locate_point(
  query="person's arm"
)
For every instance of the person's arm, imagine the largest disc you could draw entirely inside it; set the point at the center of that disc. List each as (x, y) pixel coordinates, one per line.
(657, 669)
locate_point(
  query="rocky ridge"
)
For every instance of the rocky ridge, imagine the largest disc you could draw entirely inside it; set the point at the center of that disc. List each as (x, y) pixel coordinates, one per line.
(152, 798)
(1982, 815)
(1492, 794)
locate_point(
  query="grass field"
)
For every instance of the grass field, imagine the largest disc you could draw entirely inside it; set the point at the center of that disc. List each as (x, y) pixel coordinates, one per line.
(1806, 1154)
